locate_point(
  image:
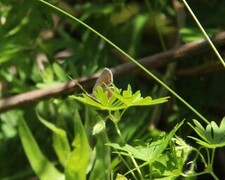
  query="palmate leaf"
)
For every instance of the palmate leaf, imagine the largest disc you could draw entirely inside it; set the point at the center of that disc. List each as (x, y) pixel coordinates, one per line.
(118, 100)
(170, 165)
(149, 153)
(212, 136)
(99, 105)
(130, 99)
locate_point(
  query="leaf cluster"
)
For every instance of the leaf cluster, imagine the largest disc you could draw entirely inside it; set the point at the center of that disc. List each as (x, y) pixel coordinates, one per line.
(119, 100)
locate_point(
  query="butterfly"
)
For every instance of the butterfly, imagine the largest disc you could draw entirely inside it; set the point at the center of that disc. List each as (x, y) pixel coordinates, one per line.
(105, 80)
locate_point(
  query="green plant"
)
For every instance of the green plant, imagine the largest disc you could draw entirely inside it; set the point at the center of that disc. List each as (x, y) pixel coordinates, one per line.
(76, 161)
(107, 138)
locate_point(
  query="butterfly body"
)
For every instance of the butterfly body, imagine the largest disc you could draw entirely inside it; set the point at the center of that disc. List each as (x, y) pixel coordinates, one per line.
(105, 80)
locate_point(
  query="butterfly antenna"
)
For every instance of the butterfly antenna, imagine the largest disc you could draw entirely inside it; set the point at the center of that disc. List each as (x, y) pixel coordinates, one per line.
(78, 84)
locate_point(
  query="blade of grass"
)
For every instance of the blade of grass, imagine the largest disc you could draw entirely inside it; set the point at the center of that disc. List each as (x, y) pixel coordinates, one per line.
(43, 168)
(205, 34)
(78, 160)
(60, 140)
(129, 57)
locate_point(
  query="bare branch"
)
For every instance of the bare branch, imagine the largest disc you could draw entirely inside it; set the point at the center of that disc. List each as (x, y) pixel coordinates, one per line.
(151, 62)
(200, 70)
(173, 55)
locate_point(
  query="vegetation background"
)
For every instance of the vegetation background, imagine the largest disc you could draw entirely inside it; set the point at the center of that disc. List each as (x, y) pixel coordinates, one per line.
(40, 48)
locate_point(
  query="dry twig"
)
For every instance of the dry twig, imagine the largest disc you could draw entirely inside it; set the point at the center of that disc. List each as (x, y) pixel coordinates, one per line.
(151, 62)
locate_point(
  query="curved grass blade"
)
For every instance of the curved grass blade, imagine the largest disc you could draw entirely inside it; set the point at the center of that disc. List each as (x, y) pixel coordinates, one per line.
(43, 168)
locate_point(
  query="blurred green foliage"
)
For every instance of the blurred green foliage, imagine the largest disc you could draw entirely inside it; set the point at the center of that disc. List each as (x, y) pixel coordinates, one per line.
(39, 47)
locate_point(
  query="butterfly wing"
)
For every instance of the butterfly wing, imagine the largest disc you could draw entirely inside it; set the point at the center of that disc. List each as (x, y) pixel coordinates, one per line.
(105, 78)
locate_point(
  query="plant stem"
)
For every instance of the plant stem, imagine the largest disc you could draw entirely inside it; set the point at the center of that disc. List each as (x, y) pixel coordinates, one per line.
(214, 176)
(205, 34)
(129, 57)
(131, 156)
(119, 132)
(211, 163)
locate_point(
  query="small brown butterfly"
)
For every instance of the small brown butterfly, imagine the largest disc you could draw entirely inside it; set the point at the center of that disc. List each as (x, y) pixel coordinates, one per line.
(105, 80)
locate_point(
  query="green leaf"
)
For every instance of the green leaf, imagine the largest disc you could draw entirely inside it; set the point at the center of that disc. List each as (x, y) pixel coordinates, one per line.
(117, 101)
(130, 99)
(150, 152)
(48, 75)
(9, 121)
(43, 168)
(194, 34)
(60, 141)
(18, 28)
(212, 136)
(182, 150)
(171, 163)
(101, 100)
(102, 165)
(60, 73)
(8, 51)
(99, 127)
(78, 160)
(120, 177)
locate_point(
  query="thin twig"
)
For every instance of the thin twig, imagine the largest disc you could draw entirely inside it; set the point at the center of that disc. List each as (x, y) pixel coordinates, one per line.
(186, 51)
(200, 70)
(151, 62)
(205, 34)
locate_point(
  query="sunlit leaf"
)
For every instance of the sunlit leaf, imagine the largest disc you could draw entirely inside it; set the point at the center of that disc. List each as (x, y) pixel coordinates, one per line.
(212, 136)
(60, 141)
(103, 162)
(120, 177)
(78, 159)
(118, 100)
(100, 126)
(150, 152)
(60, 73)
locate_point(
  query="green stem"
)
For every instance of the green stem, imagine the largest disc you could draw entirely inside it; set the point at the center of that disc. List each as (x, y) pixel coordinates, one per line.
(201, 156)
(121, 157)
(214, 176)
(205, 34)
(213, 156)
(152, 13)
(129, 57)
(124, 110)
(126, 164)
(211, 164)
(136, 165)
(119, 133)
(131, 156)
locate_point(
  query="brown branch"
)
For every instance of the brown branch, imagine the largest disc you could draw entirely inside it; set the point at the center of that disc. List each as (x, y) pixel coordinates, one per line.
(176, 54)
(41, 94)
(200, 70)
(152, 62)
